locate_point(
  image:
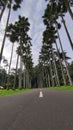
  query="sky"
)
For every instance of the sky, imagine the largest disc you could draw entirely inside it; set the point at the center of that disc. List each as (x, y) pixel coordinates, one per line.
(34, 10)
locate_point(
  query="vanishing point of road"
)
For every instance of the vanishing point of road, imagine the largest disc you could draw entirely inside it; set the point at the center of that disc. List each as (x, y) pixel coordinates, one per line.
(37, 110)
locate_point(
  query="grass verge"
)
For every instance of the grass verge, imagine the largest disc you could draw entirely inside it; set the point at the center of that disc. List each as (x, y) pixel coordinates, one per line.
(61, 88)
(10, 91)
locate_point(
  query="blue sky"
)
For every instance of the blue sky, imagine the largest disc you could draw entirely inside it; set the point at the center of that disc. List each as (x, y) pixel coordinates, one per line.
(34, 10)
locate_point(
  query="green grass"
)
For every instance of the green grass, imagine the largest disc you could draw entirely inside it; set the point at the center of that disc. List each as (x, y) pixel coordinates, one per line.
(10, 91)
(61, 88)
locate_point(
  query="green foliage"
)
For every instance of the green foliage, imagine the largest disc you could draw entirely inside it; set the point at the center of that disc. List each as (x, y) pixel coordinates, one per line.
(11, 92)
(14, 3)
(18, 32)
(3, 77)
(49, 57)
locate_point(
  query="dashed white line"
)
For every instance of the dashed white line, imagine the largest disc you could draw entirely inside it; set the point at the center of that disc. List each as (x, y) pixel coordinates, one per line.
(41, 94)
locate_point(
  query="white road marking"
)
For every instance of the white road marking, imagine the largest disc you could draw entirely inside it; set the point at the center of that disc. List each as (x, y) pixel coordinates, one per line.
(41, 94)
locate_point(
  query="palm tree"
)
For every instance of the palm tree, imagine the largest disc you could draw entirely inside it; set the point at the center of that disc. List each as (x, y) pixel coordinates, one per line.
(27, 60)
(62, 69)
(56, 9)
(2, 7)
(3, 43)
(8, 3)
(11, 5)
(14, 85)
(22, 25)
(56, 73)
(71, 43)
(49, 38)
(64, 59)
(4, 77)
(46, 59)
(13, 38)
(65, 5)
(10, 62)
(51, 15)
(20, 74)
(68, 3)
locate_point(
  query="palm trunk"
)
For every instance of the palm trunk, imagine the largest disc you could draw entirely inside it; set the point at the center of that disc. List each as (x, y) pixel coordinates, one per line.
(56, 73)
(51, 74)
(14, 85)
(10, 63)
(45, 78)
(64, 80)
(40, 80)
(27, 79)
(71, 43)
(24, 79)
(3, 43)
(64, 60)
(5, 77)
(20, 74)
(5, 80)
(49, 80)
(2, 81)
(11, 58)
(29, 82)
(2, 12)
(69, 9)
(43, 75)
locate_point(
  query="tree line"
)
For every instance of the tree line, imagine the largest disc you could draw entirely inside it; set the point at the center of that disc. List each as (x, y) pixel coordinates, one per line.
(53, 68)
(50, 55)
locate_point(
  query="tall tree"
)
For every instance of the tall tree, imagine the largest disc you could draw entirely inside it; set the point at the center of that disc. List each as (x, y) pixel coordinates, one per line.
(11, 34)
(68, 74)
(23, 50)
(49, 37)
(7, 3)
(62, 69)
(46, 58)
(56, 9)
(19, 32)
(52, 13)
(67, 32)
(2, 8)
(64, 5)
(11, 4)
(15, 77)
(68, 3)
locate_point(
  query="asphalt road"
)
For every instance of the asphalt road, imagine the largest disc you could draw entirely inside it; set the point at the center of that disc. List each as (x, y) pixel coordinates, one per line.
(26, 111)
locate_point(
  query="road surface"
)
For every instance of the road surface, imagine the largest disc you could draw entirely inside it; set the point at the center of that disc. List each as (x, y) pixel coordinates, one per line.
(37, 110)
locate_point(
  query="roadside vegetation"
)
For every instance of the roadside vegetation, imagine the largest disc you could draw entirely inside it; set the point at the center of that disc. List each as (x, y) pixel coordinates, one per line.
(11, 92)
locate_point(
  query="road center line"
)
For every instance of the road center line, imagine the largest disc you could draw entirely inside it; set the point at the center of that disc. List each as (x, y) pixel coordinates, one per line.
(41, 94)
